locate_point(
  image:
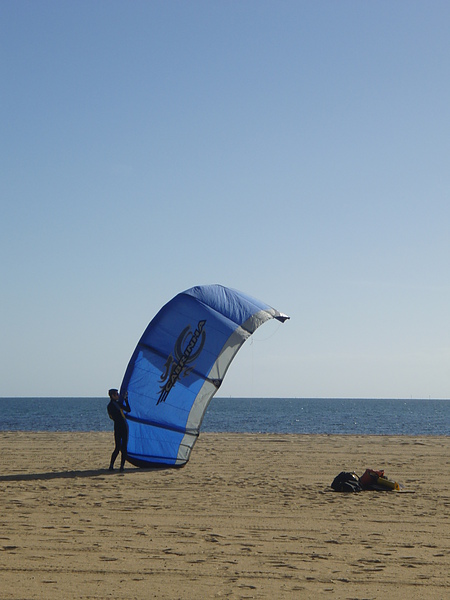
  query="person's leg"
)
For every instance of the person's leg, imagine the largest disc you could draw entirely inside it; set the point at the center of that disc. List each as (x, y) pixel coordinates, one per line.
(123, 446)
(117, 441)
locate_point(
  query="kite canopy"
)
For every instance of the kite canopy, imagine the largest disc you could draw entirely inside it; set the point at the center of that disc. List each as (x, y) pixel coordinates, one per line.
(178, 366)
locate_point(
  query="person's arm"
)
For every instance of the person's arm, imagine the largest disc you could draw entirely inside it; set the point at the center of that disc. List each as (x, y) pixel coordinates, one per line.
(125, 403)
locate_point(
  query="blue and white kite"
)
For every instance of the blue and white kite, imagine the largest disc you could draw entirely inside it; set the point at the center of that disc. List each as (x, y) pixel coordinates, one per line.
(178, 366)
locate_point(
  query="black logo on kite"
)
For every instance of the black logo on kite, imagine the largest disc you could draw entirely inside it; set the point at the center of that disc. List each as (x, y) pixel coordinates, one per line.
(187, 348)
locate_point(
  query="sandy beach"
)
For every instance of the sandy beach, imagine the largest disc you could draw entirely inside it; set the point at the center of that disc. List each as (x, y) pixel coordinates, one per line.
(250, 516)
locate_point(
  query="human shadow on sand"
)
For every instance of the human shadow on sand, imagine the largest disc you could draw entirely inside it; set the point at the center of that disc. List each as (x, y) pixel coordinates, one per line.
(72, 474)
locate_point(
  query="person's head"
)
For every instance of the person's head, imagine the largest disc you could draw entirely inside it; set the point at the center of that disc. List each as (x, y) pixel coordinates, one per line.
(113, 393)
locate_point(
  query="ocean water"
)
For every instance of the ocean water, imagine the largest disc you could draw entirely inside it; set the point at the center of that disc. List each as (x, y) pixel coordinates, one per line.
(248, 415)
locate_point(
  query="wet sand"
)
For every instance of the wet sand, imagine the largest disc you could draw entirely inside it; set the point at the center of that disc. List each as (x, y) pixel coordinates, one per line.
(250, 516)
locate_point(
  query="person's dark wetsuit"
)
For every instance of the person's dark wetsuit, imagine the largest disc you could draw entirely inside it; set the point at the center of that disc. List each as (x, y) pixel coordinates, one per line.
(116, 408)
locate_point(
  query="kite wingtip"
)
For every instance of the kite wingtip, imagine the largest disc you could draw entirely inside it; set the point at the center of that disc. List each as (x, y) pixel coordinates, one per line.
(282, 317)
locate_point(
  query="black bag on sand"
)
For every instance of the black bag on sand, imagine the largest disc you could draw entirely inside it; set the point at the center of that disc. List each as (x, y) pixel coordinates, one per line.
(346, 482)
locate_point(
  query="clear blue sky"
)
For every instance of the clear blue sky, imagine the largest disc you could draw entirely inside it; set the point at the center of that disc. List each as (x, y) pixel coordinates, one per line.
(297, 151)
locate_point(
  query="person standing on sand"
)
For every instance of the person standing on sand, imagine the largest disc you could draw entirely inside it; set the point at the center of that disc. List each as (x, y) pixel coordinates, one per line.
(116, 407)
